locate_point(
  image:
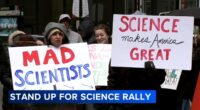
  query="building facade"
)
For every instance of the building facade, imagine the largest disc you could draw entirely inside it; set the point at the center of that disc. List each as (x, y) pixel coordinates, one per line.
(37, 13)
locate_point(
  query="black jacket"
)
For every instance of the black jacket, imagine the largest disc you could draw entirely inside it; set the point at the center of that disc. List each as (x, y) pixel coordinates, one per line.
(6, 80)
(5, 72)
(188, 79)
(121, 78)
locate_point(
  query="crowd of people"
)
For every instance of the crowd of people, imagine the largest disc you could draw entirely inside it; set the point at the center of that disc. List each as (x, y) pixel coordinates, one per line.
(119, 78)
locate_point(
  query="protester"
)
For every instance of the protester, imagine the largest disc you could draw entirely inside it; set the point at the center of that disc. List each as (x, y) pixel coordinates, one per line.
(188, 79)
(3, 62)
(16, 39)
(126, 78)
(2, 53)
(86, 30)
(73, 36)
(102, 34)
(181, 98)
(55, 35)
(52, 30)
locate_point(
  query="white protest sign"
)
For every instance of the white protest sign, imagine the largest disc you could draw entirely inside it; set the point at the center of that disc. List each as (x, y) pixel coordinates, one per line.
(100, 57)
(165, 40)
(171, 79)
(50, 68)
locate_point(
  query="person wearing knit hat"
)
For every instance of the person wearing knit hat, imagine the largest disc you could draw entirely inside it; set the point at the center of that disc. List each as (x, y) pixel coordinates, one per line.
(13, 35)
(16, 39)
(19, 38)
(55, 34)
(73, 36)
(56, 37)
(65, 19)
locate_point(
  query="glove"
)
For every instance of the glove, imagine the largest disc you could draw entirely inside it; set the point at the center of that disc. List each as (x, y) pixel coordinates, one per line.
(149, 66)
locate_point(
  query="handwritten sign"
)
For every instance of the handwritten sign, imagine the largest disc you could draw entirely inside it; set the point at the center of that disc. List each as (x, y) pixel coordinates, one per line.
(100, 56)
(171, 79)
(50, 68)
(161, 39)
(196, 98)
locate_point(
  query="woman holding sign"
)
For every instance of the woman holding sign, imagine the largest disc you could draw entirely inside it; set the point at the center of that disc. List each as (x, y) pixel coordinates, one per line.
(103, 36)
(55, 35)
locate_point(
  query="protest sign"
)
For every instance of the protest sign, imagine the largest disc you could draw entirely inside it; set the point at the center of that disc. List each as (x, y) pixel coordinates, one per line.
(161, 39)
(50, 68)
(100, 56)
(171, 79)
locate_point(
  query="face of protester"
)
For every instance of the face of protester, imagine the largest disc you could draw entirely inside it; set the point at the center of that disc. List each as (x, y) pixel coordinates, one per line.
(101, 36)
(66, 22)
(57, 38)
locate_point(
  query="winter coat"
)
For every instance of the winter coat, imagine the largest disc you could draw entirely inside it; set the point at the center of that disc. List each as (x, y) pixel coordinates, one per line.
(6, 80)
(74, 37)
(188, 79)
(5, 71)
(124, 78)
(3, 58)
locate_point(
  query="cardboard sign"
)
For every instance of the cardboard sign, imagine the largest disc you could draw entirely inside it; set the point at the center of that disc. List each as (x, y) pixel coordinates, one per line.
(171, 79)
(161, 39)
(196, 98)
(50, 68)
(100, 57)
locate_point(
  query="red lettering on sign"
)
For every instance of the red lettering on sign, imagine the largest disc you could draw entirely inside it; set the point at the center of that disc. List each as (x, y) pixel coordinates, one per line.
(144, 23)
(155, 25)
(163, 26)
(149, 54)
(30, 57)
(174, 28)
(66, 50)
(124, 20)
(50, 55)
(140, 24)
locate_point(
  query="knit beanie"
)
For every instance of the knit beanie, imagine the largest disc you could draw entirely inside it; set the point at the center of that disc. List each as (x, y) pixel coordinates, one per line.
(25, 40)
(13, 35)
(64, 16)
(53, 31)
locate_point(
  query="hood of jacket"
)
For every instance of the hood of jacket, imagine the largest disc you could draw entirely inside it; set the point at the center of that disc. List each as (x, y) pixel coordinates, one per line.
(52, 25)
